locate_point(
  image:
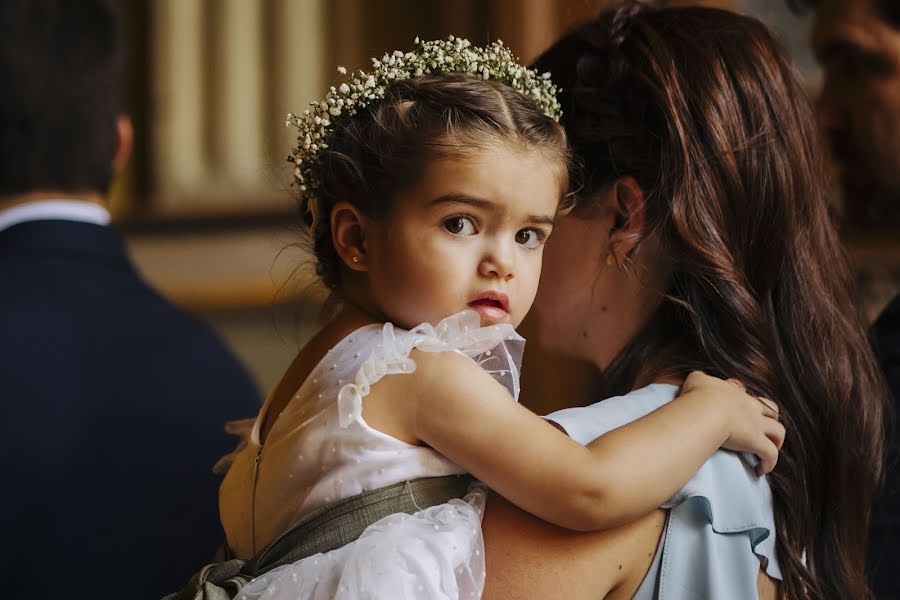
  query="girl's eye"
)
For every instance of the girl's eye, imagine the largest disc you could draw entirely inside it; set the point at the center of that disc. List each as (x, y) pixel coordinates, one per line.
(530, 238)
(461, 226)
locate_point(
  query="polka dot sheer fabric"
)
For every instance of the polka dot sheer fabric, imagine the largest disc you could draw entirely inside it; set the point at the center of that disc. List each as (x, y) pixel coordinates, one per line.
(321, 450)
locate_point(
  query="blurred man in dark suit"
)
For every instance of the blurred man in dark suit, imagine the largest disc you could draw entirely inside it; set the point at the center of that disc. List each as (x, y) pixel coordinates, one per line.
(858, 44)
(113, 400)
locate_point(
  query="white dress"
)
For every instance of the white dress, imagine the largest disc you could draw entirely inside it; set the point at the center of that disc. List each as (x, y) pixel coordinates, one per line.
(321, 450)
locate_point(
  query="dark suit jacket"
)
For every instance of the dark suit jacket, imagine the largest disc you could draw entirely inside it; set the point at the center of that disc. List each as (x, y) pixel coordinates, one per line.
(113, 407)
(884, 549)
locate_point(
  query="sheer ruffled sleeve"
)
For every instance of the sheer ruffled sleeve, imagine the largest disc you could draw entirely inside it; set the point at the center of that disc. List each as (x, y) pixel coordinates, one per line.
(497, 349)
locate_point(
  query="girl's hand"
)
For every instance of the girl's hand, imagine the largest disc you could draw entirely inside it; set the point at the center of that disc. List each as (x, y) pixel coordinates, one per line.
(752, 423)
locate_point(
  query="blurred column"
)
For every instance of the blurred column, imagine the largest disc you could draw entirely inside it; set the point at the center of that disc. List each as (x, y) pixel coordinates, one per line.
(179, 101)
(348, 30)
(459, 17)
(237, 93)
(299, 56)
(526, 26)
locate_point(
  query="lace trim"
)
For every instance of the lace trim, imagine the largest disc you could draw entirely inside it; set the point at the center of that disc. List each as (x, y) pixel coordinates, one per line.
(461, 333)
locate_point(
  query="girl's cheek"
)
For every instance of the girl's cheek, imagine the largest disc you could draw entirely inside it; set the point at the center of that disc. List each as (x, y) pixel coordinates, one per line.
(535, 263)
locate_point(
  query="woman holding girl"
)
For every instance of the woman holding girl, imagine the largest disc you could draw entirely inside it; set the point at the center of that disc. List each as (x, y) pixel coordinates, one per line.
(430, 187)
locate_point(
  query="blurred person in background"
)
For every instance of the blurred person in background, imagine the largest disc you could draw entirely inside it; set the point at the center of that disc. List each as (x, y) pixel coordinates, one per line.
(858, 45)
(114, 400)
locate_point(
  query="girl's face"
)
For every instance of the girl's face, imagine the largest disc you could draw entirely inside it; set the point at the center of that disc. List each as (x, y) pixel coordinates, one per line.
(469, 235)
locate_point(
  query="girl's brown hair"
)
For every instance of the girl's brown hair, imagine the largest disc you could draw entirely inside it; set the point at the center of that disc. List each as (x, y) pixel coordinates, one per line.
(702, 108)
(383, 149)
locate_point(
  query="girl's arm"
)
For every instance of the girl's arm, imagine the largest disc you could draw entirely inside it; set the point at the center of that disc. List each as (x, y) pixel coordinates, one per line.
(458, 409)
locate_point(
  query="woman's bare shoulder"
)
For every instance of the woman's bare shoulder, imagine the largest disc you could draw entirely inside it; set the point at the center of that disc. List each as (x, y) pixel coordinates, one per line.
(528, 558)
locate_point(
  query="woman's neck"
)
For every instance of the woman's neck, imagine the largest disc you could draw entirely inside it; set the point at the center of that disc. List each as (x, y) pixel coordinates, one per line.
(646, 378)
(659, 369)
(649, 358)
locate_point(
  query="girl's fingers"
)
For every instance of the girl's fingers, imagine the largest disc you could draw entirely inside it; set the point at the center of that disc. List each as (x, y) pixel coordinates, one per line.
(738, 383)
(770, 408)
(767, 459)
(775, 432)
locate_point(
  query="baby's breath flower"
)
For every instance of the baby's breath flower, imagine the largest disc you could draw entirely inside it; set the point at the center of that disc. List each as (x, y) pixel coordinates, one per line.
(453, 55)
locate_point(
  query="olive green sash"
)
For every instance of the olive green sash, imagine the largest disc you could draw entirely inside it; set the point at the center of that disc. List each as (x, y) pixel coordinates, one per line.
(322, 530)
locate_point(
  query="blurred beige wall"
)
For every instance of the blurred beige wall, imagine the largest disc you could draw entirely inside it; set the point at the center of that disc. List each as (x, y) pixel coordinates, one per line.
(206, 203)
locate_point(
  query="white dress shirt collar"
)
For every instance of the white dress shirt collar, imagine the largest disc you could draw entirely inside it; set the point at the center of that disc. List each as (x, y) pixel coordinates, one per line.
(63, 209)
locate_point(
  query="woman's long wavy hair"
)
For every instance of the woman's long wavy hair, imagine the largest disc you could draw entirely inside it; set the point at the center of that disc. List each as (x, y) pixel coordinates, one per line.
(702, 108)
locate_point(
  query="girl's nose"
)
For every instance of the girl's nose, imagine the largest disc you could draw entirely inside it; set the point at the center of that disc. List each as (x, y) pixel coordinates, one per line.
(499, 263)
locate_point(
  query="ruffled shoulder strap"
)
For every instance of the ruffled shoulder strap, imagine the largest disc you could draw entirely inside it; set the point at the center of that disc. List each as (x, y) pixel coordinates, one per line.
(721, 523)
(497, 348)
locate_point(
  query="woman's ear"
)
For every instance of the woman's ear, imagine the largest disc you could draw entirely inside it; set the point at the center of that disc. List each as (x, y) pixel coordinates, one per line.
(630, 218)
(348, 233)
(124, 143)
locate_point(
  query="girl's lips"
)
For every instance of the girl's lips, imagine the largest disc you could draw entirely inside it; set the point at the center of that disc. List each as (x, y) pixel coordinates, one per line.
(492, 298)
(490, 310)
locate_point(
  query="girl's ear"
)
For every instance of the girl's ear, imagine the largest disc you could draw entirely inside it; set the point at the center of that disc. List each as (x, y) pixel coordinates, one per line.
(630, 218)
(348, 233)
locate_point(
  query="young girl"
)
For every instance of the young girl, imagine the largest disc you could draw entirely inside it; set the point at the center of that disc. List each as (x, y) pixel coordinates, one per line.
(430, 187)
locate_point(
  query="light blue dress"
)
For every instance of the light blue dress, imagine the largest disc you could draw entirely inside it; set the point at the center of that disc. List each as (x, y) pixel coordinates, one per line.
(720, 528)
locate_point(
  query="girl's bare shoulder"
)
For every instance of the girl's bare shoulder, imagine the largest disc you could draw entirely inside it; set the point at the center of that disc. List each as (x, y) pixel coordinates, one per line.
(434, 374)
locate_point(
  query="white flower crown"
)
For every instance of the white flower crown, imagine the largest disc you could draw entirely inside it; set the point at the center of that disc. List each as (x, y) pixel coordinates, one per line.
(453, 55)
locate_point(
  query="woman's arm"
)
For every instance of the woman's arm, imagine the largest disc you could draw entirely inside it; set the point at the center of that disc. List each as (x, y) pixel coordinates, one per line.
(458, 409)
(530, 559)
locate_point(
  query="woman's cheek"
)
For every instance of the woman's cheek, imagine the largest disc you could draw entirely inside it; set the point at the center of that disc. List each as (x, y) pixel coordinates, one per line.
(530, 277)
(556, 266)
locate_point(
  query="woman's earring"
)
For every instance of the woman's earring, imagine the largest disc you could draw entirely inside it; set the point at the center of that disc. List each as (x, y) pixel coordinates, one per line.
(610, 259)
(355, 259)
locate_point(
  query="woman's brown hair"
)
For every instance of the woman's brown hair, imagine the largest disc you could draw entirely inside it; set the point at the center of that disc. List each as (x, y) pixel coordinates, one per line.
(702, 108)
(381, 150)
